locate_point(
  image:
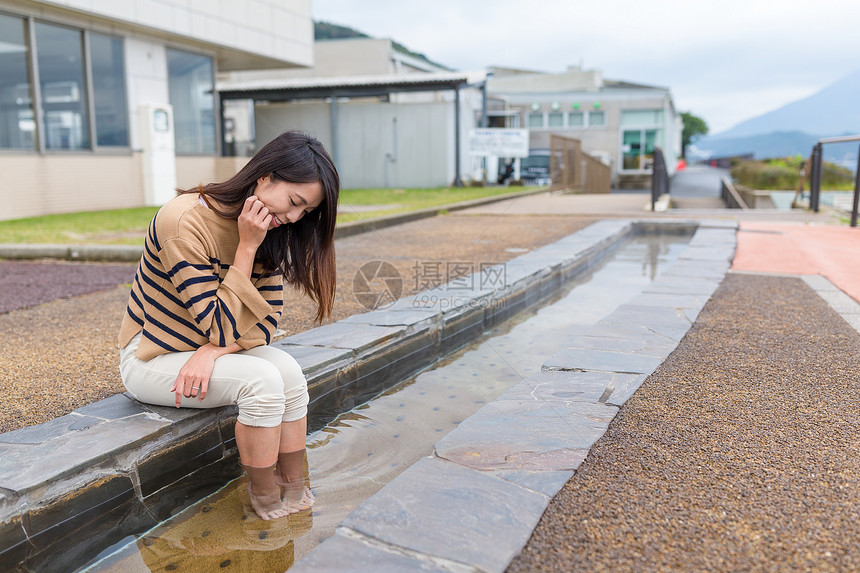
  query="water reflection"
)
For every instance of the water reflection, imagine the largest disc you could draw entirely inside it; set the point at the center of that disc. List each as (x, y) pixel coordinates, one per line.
(220, 533)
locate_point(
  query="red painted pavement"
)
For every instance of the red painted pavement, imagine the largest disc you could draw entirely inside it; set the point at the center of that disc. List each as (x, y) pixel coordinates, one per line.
(833, 252)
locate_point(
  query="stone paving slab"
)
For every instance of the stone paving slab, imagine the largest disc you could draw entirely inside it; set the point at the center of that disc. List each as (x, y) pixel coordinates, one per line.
(355, 337)
(628, 362)
(447, 511)
(526, 435)
(114, 407)
(689, 285)
(711, 236)
(392, 317)
(648, 344)
(670, 300)
(693, 269)
(353, 553)
(625, 385)
(840, 302)
(61, 456)
(672, 325)
(546, 482)
(562, 386)
(709, 253)
(48, 431)
(820, 284)
(313, 358)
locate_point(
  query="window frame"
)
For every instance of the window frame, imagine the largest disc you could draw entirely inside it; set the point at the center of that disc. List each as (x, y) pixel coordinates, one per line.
(32, 80)
(111, 149)
(642, 128)
(530, 114)
(34, 77)
(598, 125)
(216, 102)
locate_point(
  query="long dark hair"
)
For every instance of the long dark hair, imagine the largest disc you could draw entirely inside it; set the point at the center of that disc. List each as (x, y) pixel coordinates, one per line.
(302, 251)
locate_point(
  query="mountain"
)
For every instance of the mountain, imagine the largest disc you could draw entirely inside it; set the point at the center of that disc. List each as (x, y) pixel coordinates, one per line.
(328, 31)
(831, 111)
(776, 144)
(795, 127)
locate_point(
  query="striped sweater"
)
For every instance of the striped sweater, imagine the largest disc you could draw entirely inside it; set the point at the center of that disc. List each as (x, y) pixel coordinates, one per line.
(185, 292)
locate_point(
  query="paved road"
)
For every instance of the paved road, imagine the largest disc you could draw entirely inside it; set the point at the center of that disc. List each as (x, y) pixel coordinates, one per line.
(697, 181)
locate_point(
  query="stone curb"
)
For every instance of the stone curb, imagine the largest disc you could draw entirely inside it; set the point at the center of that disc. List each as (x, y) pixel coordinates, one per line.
(132, 253)
(495, 473)
(118, 457)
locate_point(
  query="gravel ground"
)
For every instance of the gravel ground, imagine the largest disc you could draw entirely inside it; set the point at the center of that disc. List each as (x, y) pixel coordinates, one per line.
(28, 283)
(740, 453)
(61, 355)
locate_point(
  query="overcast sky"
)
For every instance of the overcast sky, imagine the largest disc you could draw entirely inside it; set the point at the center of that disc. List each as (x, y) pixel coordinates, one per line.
(724, 60)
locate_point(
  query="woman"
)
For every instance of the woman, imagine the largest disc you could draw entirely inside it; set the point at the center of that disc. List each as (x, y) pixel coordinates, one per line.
(207, 297)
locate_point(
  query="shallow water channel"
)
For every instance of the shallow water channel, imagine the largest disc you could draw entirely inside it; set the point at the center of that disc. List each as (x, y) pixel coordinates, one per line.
(362, 450)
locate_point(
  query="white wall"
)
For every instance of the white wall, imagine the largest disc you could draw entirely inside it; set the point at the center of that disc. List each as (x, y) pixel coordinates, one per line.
(424, 150)
(278, 29)
(146, 76)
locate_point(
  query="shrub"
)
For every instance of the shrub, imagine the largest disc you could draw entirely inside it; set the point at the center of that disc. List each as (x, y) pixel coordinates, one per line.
(784, 174)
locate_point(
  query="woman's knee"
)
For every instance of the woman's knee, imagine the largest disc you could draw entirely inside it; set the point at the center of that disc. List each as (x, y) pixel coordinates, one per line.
(261, 399)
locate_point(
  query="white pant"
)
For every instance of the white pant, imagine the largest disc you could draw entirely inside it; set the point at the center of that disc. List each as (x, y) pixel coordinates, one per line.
(265, 382)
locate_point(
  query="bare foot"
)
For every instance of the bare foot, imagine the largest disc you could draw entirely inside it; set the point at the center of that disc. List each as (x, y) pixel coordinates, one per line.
(268, 505)
(296, 496)
(304, 501)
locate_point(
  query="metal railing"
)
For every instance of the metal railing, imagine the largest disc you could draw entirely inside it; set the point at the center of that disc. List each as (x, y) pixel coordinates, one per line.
(815, 161)
(659, 177)
(730, 195)
(571, 168)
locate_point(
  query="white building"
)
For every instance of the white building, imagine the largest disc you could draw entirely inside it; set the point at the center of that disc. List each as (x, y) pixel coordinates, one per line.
(390, 119)
(87, 88)
(619, 122)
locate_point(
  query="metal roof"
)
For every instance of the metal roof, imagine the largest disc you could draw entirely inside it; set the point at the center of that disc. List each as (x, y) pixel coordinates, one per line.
(346, 86)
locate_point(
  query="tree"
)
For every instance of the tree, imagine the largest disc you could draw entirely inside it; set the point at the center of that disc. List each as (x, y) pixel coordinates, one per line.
(693, 126)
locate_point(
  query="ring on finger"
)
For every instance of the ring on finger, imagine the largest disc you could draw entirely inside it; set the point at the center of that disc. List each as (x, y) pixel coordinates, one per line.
(195, 387)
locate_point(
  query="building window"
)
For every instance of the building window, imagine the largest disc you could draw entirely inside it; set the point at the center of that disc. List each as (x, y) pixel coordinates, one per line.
(638, 148)
(641, 117)
(61, 82)
(596, 118)
(556, 119)
(576, 119)
(191, 85)
(63, 96)
(536, 120)
(109, 96)
(17, 123)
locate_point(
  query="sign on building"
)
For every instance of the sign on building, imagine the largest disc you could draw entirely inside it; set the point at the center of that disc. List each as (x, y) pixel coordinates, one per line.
(499, 142)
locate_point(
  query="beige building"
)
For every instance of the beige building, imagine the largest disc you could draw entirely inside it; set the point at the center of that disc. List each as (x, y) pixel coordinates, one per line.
(619, 122)
(112, 103)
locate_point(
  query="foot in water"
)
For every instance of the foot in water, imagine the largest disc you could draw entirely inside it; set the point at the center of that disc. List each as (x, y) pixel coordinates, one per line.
(268, 505)
(296, 497)
(289, 474)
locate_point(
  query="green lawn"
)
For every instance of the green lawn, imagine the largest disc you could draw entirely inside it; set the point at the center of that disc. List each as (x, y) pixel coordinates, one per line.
(115, 227)
(128, 226)
(357, 204)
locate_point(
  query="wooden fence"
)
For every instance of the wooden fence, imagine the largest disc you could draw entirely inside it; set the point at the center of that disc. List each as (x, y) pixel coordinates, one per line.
(574, 170)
